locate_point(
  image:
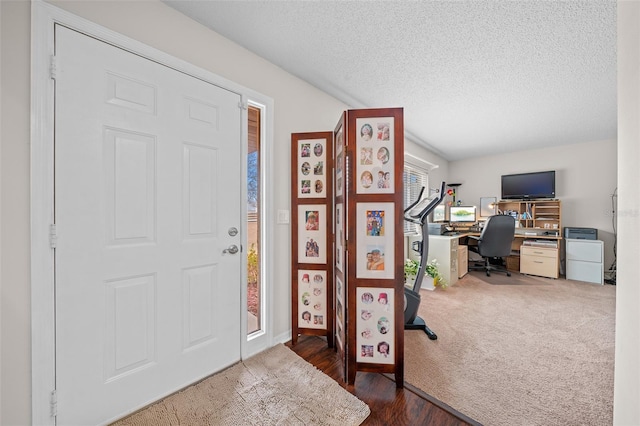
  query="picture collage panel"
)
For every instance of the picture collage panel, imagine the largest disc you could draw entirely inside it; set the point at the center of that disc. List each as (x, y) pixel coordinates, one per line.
(340, 232)
(312, 168)
(340, 312)
(312, 299)
(375, 240)
(339, 163)
(312, 235)
(374, 155)
(375, 334)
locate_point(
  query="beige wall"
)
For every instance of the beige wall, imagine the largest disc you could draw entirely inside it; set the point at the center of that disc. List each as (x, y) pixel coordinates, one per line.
(586, 177)
(626, 410)
(15, 313)
(436, 175)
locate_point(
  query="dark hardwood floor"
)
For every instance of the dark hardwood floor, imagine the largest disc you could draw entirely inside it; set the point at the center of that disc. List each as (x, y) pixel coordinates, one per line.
(389, 405)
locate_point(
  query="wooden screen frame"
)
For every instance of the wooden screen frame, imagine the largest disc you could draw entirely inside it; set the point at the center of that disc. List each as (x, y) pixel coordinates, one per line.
(298, 264)
(340, 199)
(352, 281)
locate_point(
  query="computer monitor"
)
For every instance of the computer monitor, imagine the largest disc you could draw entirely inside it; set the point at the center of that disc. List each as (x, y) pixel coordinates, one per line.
(462, 214)
(439, 214)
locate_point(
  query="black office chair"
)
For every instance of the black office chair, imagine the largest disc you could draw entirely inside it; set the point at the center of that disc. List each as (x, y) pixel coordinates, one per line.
(494, 243)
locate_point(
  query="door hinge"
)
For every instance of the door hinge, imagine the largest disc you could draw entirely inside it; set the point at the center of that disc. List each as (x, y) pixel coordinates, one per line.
(53, 236)
(54, 403)
(243, 105)
(53, 67)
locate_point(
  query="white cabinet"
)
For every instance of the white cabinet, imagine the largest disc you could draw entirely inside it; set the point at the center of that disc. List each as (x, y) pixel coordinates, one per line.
(444, 249)
(585, 260)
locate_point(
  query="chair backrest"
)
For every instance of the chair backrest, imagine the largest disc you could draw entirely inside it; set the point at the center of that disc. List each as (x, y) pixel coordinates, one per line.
(497, 236)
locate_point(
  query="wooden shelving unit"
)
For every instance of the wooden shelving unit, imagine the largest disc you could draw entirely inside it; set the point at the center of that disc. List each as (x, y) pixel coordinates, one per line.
(539, 220)
(544, 215)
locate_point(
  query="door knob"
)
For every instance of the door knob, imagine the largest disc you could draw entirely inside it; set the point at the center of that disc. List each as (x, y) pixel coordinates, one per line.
(232, 249)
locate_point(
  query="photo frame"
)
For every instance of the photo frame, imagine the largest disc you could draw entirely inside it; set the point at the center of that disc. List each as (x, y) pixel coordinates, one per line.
(312, 235)
(339, 237)
(488, 206)
(312, 168)
(340, 312)
(312, 299)
(375, 240)
(339, 163)
(374, 152)
(375, 326)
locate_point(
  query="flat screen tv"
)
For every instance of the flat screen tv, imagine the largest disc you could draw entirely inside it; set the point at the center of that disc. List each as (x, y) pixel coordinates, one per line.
(525, 186)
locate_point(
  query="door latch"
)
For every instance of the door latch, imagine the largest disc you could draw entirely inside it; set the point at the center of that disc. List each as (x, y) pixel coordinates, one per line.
(232, 249)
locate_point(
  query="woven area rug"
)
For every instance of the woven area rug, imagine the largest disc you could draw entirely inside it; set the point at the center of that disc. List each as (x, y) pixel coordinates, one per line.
(275, 387)
(518, 351)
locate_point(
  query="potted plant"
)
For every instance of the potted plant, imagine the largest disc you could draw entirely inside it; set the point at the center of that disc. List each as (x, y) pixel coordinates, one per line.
(432, 271)
(411, 270)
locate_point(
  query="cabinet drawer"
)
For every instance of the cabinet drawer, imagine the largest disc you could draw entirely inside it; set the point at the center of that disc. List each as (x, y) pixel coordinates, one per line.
(539, 265)
(586, 250)
(463, 265)
(590, 272)
(538, 251)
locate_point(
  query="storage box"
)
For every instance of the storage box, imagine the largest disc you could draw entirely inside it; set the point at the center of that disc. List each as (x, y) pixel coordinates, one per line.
(513, 263)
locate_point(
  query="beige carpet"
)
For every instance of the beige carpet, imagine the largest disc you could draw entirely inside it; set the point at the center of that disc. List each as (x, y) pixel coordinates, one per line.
(276, 387)
(518, 351)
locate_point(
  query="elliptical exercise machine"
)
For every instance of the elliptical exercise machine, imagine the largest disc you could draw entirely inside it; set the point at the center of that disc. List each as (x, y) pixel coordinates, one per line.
(418, 213)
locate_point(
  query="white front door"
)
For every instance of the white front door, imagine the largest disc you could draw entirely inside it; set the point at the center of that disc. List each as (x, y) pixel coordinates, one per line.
(147, 193)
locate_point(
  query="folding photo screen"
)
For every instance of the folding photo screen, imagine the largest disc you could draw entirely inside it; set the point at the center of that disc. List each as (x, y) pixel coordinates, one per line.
(312, 237)
(365, 261)
(369, 148)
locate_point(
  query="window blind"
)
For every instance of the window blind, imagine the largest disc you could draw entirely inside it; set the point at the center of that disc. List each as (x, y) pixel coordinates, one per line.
(414, 178)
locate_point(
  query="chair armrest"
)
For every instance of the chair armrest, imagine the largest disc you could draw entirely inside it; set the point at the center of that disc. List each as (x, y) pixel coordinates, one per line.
(475, 237)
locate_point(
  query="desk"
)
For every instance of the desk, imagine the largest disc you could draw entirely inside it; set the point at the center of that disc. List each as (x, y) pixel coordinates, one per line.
(541, 261)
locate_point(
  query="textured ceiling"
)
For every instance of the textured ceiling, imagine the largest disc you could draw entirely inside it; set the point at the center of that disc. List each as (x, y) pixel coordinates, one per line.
(474, 77)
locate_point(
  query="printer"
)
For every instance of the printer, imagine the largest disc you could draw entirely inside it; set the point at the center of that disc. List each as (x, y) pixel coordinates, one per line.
(581, 233)
(437, 228)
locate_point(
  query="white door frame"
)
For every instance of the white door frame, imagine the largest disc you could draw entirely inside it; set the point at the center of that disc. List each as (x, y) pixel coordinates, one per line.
(43, 19)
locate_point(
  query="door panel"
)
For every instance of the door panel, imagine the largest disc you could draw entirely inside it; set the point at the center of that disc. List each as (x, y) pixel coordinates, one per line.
(147, 170)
